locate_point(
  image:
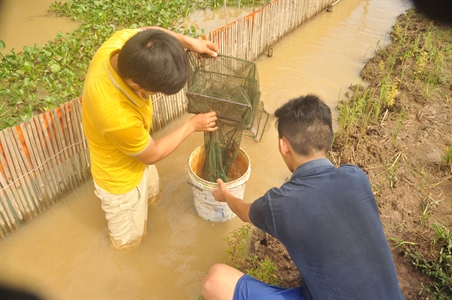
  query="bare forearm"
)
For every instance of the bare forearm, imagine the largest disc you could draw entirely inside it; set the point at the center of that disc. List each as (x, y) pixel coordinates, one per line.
(157, 150)
(167, 144)
(161, 148)
(239, 207)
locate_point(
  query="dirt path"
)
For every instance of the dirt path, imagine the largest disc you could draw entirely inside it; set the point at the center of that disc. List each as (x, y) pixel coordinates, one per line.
(403, 151)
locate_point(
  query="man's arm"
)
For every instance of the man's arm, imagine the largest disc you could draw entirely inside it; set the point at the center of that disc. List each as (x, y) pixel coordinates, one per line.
(240, 208)
(195, 45)
(159, 149)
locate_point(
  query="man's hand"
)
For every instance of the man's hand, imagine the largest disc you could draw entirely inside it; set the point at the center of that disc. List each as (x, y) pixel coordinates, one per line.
(195, 45)
(220, 193)
(161, 148)
(204, 46)
(240, 208)
(204, 122)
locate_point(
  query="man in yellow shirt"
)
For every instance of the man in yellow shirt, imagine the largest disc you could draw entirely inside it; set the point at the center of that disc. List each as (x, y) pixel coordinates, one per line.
(117, 115)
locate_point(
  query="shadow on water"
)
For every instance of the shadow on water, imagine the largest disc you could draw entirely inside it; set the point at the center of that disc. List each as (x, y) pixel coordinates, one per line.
(64, 252)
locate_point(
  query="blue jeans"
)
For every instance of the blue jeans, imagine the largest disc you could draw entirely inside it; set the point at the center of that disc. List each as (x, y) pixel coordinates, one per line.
(248, 288)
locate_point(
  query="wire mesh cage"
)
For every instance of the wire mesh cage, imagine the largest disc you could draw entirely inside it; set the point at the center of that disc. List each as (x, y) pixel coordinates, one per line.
(230, 87)
(225, 84)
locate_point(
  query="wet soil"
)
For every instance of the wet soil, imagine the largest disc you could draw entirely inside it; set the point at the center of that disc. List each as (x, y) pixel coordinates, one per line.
(403, 153)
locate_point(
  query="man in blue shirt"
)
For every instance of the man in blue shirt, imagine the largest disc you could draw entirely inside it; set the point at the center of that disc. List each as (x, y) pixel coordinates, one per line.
(326, 217)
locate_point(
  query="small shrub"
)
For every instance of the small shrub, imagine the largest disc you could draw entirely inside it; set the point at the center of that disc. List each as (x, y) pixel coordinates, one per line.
(237, 256)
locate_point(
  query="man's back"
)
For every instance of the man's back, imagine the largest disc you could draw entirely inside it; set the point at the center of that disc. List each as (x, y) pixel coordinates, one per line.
(328, 220)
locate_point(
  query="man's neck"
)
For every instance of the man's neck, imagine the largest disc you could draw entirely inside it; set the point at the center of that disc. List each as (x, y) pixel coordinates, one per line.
(114, 65)
(299, 160)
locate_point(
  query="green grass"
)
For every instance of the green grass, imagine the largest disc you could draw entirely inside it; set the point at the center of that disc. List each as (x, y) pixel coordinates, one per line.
(437, 265)
(238, 257)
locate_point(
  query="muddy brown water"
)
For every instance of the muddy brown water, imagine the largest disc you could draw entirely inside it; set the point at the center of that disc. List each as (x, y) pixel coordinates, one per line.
(64, 253)
(26, 23)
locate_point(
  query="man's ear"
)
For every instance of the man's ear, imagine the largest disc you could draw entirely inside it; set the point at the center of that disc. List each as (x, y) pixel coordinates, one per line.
(132, 84)
(284, 146)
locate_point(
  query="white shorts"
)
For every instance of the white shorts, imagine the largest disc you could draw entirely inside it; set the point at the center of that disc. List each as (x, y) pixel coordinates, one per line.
(127, 213)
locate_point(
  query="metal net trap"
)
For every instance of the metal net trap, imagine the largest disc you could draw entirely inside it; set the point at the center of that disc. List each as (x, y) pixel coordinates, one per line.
(230, 87)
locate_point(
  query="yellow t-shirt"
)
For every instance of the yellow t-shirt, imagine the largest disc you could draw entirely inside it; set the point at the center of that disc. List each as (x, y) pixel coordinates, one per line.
(116, 121)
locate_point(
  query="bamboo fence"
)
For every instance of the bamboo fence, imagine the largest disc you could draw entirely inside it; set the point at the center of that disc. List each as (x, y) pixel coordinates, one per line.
(46, 157)
(254, 34)
(41, 161)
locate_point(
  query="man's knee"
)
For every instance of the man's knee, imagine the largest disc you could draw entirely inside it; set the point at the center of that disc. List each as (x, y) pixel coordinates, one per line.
(212, 275)
(220, 282)
(213, 278)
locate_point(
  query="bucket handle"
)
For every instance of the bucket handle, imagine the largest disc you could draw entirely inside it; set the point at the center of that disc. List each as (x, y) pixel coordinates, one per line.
(188, 179)
(195, 186)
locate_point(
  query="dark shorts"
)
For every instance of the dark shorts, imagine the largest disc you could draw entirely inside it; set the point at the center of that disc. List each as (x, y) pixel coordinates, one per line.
(249, 288)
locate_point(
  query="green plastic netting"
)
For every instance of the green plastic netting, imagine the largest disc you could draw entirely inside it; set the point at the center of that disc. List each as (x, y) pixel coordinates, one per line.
(230, 87)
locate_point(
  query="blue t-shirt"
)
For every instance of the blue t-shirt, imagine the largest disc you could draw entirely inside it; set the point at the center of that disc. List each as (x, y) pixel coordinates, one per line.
(328, 220)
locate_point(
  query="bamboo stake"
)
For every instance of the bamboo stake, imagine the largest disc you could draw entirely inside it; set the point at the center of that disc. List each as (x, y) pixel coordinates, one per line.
(61, 149)
(64, 132)
(5, 206)
(38, 170)
(17, 176)
(10, 205)
(25, 171)
(76, 113)
(36, 147)
(47, 148)
(17, 201)
(73, 153)
(5, 212)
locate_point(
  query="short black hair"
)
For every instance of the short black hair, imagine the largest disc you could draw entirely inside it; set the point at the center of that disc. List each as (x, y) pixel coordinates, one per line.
(438, 10)
(306, 123)
(155, 60)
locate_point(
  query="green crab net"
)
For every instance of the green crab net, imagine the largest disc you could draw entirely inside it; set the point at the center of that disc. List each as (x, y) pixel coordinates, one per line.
(230, 87)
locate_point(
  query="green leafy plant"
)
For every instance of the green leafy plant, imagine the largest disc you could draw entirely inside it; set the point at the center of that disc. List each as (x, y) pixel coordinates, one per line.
(237, 246)
(263, 270)
(437, 265)
(238, 257)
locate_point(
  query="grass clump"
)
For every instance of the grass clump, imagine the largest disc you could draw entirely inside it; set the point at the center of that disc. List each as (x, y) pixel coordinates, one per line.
(419, 63)
(238, 257)
(437, 265)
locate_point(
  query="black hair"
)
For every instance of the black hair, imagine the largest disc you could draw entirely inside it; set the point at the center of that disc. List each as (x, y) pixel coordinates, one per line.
(438, 10)
(306, 123)
(155, 60)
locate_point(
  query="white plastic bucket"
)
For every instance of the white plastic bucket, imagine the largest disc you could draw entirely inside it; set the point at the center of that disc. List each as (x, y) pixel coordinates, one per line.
(205, 204)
